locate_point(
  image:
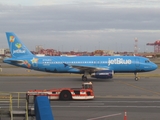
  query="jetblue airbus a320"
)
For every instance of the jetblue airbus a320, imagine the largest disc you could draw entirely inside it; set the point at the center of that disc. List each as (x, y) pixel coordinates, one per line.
(102, 67)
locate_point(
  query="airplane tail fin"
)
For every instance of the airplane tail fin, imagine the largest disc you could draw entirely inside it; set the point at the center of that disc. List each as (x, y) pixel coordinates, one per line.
(17, 48)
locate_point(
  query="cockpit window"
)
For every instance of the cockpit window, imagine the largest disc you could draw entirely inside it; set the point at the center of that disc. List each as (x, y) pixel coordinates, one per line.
(147, 61)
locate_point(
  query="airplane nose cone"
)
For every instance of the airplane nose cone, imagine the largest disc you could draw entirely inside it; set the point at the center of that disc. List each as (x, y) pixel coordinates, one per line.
(155, 66)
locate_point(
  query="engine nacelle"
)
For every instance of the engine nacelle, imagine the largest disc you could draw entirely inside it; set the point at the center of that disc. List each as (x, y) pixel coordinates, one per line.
(103, 74)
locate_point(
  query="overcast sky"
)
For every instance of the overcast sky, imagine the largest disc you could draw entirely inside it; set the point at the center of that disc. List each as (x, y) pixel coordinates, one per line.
(81, 24)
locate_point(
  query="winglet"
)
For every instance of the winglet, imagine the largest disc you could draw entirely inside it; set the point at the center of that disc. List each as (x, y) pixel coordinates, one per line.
(17, 48)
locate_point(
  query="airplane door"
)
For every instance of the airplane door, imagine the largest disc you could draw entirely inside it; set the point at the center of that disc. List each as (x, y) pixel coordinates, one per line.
(137, 63)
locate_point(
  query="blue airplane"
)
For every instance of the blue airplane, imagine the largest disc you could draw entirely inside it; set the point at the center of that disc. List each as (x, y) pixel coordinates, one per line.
(101, 67)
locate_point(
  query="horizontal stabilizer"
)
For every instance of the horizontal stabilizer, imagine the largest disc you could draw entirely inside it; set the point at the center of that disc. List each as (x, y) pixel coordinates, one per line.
(13, 61)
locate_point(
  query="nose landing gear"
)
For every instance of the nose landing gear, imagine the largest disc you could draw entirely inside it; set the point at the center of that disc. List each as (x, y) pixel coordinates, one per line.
(136, 77)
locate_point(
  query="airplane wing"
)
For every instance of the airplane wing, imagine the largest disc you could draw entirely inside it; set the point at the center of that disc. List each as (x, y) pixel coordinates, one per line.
(88, 68)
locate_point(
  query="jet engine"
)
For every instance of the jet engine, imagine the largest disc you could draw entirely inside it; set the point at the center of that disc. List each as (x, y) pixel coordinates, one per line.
(103, 74)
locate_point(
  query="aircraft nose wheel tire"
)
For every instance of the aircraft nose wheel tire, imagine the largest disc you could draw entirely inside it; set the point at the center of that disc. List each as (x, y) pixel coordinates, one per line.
(136, 78)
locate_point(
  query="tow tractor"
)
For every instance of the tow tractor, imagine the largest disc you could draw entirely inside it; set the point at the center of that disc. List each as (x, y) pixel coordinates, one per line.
(84, 93)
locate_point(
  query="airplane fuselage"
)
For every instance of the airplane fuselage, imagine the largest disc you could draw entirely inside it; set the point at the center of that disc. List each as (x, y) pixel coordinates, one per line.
(62, 64)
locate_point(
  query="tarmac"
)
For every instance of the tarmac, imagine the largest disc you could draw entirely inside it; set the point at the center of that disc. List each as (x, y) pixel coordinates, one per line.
(140, 99)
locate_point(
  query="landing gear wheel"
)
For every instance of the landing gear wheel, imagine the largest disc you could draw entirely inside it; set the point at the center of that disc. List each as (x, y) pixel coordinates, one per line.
(65, 95)
(84, 78)
(136, 78)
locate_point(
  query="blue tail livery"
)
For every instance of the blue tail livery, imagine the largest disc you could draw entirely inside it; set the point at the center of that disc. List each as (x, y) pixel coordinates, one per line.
(17, 48)
(101, 67)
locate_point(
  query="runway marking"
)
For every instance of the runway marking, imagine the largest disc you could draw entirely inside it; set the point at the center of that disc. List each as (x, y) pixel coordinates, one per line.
(105, 106)
(90, 103)
(93, 106)
(40, 76)
(130, 96)
(107, 116)
(157, 93)
(71, 102)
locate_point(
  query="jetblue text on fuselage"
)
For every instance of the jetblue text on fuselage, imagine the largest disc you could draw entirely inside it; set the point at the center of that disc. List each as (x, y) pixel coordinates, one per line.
(119, 61)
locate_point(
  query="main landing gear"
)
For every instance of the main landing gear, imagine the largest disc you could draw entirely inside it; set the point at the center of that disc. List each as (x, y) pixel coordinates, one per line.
(136, 77)
(84, 77)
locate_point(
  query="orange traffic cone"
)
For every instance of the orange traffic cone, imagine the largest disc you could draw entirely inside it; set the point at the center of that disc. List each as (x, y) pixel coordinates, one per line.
(125, 115)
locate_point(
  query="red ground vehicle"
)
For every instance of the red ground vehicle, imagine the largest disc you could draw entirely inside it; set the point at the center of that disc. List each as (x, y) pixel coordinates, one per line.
(84, 93)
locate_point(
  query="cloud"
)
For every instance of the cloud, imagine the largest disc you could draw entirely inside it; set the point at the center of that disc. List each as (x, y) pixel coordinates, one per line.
(86, 26)
(69, 18)
(108, 3)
